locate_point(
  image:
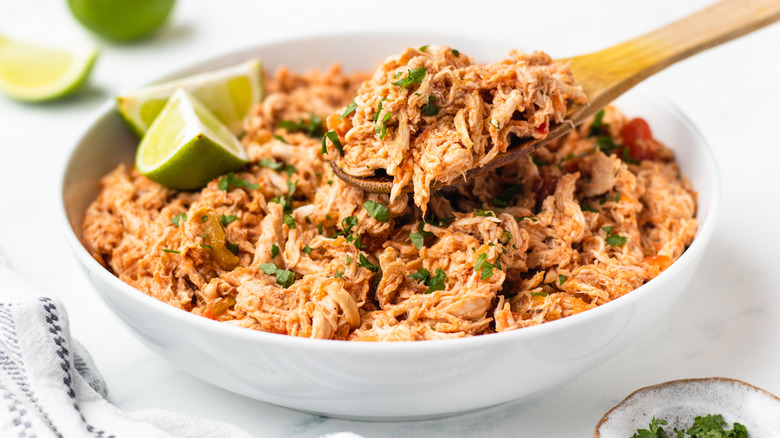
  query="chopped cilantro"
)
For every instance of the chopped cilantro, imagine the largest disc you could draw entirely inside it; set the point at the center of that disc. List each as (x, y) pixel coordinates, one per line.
(537, 161)
(363, 262)
(350, 109)
(283, 278)
(616, 198)
(430, 108)
(334, 138)
(311, 127)
(172, 251)
(349, 259)
(231, 180)
(289, 221)
(606, 144)
(289, 170)
(418, 238)
(597, 126)
(414, 76)
(225, 219)
(434, 283)
(270, 163)
(280, 138)
(711, 426)
(483, 265)
(380, 126)
(422, 48)
(232, 247)
(586, 207)
(319, 228)
(506, 237)
(531, 218)
(455, 52)
(203, 219)
(615, 240)
(539, 294)
(307, 249)
(274, 250)
(176, 220)
(377, 211)
(562, 279)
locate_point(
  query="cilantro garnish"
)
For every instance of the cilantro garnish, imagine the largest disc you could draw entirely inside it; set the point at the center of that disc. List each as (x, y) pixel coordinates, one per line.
(455, 52)
(312, 127)
(531, 218)
(231, 180)
(380, 126)
(363, 262)
(711, 426)
(505, 238)
(377, 211)
(319, 228)
(483, 265)
(616, 198)
(586, 207)
(422, 48)
(289, 221)
(597, 126)
(334, 138)
(430, 108)
(606, 144)
(349, 259)
(270, 163)
(232, 247)
(539, 294)
(562, 279)
(307, 249)
(289, 170)
(172, 251)
(414, 76)
(418, 238)
(274, 250)
(283, 278)
(176, 220)
(350, 109)
(226, 219)
(280, 138)
(613, 239)
(434, 283)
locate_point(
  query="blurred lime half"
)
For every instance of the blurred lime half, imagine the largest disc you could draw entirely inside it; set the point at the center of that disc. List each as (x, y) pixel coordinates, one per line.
(186, 146)
(229, 93)
(121, 20)
(34, 73)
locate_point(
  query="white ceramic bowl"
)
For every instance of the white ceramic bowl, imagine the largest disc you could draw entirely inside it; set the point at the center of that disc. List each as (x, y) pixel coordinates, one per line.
(388, 380)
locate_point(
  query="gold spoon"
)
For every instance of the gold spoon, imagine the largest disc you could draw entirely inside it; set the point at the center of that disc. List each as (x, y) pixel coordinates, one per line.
(608, 73)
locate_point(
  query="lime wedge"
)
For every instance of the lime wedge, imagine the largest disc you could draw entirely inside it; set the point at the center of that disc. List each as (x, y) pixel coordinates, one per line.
(35, 73)
(186, 146)
(229, 93)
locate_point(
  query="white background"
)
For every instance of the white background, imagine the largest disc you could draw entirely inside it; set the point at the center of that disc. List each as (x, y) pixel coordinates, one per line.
(726, 324)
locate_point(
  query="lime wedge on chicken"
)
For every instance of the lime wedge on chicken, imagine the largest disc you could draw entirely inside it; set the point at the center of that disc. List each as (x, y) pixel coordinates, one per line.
(229, 93)
(187, 146)
(35, 73)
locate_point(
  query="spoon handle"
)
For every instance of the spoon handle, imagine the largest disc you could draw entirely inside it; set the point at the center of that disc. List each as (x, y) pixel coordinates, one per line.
(606, 74)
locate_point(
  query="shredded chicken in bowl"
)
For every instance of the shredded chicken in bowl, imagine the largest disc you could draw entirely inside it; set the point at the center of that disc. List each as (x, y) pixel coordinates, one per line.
(430, 114)
(286, 247)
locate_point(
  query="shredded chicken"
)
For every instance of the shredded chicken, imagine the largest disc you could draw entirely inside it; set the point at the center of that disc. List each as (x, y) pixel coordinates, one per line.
(583, 221)
(431, 114)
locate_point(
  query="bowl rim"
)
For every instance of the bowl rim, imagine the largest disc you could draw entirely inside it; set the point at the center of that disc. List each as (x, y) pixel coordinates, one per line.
(702, 237)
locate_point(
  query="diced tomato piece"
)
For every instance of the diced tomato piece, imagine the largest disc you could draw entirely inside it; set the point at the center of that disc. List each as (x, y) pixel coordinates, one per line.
(543, 128)
(637, 136)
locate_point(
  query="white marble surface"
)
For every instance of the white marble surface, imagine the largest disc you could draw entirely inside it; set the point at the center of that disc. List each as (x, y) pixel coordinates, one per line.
(726, 324)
